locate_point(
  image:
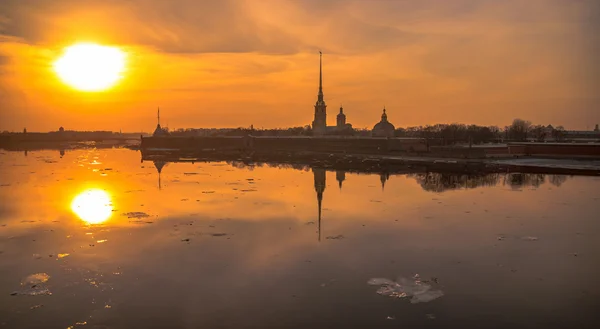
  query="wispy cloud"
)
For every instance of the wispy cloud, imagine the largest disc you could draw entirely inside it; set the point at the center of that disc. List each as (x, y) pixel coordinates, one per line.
(235, 62)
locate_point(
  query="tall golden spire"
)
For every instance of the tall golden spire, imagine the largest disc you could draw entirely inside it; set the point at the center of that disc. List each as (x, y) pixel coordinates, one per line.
(320, 76)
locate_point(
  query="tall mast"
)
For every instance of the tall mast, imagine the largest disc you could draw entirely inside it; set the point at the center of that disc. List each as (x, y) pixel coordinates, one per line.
(158, 116)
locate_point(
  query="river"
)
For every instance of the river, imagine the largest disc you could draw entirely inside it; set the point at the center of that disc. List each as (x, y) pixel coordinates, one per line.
(99, 239)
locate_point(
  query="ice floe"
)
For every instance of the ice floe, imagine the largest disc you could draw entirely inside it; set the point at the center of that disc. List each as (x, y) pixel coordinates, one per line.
(419, 291)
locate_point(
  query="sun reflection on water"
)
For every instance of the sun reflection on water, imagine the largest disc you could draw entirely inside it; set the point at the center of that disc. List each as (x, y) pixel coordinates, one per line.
(93, 206)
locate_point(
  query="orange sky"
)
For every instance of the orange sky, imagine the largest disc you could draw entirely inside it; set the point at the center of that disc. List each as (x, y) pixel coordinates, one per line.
(234, 63)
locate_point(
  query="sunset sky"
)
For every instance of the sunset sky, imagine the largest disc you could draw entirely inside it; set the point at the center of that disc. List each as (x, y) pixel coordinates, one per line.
(231, 63)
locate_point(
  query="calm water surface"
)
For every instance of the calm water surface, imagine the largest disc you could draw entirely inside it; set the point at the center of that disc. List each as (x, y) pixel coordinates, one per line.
(98, 239)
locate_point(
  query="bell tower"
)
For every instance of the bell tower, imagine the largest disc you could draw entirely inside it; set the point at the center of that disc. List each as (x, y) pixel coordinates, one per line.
(341, 119)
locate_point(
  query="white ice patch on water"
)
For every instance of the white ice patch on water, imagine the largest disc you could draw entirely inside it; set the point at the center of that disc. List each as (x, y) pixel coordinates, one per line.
(419, 291)
(35, 285)
(35, 279)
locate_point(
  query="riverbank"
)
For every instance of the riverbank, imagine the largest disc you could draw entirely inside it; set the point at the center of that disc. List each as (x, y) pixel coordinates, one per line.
(390, 163)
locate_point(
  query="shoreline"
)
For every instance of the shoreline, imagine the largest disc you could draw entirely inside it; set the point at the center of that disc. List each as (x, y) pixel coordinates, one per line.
(391, 163)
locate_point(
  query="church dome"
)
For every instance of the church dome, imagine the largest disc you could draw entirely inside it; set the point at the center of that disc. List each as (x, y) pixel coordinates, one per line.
(384, 128)
(384, 125)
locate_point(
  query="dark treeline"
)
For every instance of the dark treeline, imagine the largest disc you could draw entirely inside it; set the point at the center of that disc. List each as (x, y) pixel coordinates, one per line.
(440, 182)
(519, 130)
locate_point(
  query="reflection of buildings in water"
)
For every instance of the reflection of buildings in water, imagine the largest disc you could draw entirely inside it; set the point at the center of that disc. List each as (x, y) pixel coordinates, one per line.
(439, 182)
(518, 180)
(558, 180)
(319, 175)
(159, 166)
(25, 152)
(340, 176)
(384, 177)
(62, 152)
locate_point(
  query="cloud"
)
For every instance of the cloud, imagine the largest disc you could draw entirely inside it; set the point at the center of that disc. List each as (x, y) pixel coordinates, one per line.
(232, 62)
(184, 26)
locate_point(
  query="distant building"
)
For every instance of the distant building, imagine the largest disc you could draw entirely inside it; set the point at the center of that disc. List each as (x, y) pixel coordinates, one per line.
(61, 130)
(383, 128)
(596, 129)
(159, 131)
(319, 124)
(341, 121)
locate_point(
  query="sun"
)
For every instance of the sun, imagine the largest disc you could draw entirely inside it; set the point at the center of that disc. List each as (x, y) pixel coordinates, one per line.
(90, 67)
(92, 206)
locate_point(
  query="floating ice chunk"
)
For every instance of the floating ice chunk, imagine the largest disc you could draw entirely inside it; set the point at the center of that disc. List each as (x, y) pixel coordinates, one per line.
(32, 292)
(426, 296)
(337, 237)
(530, 238)
(35, 285)
(380, 281)
(35, 279)
(419, 292)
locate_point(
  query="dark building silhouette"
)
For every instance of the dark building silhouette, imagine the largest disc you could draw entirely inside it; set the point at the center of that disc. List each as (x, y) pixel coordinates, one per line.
(159, 131)
(383, 128)
(319, 124)
(320, 121)
(341, 119)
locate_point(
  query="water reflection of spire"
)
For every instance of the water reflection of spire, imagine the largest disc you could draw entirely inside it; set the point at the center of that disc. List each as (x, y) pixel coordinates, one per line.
(319, 175)
(383, 177)
(159, 166)
(340, 176)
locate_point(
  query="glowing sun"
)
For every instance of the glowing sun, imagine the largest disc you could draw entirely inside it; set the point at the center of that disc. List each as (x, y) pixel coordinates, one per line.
(90, 67)
(92, 206)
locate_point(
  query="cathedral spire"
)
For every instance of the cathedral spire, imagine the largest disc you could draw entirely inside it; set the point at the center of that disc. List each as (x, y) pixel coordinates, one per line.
(320, 76)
